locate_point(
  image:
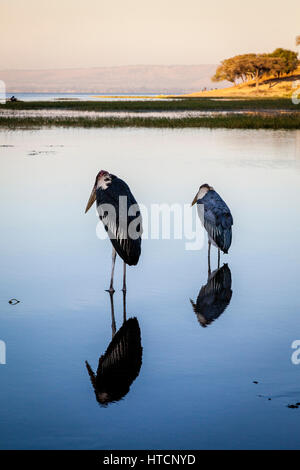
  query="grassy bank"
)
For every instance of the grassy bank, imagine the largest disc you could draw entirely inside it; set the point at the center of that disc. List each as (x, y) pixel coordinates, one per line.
(230, 121)
(275, 87)
(180, 104)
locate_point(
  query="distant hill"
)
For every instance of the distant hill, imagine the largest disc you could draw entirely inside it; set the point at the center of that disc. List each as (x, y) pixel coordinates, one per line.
(269, 87)
(125, 79)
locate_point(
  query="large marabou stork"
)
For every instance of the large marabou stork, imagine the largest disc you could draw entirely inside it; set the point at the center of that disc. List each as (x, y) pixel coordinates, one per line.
(216, 218)
(120, 214)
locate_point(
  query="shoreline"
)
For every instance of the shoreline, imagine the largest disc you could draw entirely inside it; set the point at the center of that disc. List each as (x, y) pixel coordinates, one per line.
(167, 104)
(266, 113)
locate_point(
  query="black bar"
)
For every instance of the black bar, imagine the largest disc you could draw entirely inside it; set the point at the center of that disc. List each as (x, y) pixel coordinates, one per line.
(137, 458)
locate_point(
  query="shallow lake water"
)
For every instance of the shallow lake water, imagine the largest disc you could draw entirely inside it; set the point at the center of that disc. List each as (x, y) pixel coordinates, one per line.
(83, 96)
(195, 386)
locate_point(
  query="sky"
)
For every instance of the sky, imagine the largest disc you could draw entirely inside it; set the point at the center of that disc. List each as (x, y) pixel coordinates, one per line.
(45, 34)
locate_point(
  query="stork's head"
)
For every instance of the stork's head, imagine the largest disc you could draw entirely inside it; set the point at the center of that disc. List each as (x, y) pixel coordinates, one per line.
(103, 180)
(204, 188)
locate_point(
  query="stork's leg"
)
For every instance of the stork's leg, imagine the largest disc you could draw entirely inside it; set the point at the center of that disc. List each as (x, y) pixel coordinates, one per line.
(208, 256)
(113, 320)
(111, 287)
(124, 306)
(218, 258)
(124, 277)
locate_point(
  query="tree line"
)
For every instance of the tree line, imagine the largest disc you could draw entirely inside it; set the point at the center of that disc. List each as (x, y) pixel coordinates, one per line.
(248, 67)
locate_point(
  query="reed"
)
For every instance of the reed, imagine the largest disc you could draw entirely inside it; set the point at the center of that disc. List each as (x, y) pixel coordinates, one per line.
(229, 121)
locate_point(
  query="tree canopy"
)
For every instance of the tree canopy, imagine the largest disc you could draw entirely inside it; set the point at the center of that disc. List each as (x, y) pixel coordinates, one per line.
(289, 59)
(247, 67)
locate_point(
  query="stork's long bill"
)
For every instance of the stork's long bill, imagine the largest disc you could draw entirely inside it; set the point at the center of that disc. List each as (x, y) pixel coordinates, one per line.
(195, 200)
(91, 200)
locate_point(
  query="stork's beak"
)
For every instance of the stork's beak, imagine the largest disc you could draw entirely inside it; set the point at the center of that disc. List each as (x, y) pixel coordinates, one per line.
(91, 200)
(194, 200)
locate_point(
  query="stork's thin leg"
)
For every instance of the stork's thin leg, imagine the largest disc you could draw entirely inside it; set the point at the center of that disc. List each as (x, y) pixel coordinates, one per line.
(208, 256)
(124, 306)
(113, 320)
(218, 258)
(124, 277)
(111, 287)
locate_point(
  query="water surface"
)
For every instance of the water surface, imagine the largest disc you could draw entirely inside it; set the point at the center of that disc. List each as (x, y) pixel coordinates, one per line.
(194, 387)
(80, 96)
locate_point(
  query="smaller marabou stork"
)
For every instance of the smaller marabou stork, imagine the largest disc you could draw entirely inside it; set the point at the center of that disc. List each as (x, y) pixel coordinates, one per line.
(216, 218)
(120, 214)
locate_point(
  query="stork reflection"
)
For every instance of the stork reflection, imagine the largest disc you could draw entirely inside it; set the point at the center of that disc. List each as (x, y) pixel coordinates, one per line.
(121, 363)
(214, 297)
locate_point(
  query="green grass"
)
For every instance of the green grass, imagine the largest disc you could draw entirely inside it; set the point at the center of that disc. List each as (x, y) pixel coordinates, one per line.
(181, 104)
(230, 121)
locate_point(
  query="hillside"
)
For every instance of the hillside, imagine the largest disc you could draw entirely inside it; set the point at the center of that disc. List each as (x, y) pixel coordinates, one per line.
(117, 80)
(269, 87)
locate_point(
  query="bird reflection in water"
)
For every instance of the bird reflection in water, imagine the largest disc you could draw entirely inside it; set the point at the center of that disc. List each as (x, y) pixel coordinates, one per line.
(214, 297)
(121, 363)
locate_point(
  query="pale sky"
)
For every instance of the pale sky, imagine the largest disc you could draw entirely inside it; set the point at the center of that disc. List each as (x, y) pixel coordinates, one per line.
(45, 34)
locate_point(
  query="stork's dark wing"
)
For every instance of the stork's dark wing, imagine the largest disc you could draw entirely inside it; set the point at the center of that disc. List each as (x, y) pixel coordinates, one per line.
(122, 219)
(216, 218)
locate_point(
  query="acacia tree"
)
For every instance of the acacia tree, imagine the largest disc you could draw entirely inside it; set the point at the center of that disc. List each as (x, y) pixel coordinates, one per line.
(254, 66)
(259, 66)
(235, 68)
(289, 60)
(226, 71)
(244, 67)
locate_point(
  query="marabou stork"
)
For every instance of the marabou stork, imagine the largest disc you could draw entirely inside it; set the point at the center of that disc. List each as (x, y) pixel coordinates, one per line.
(216, 218)
(120, 214)
(121, 363)
(214, 297)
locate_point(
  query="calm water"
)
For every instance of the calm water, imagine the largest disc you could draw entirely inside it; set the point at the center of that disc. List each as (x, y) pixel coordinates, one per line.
(75, 96)
(194, 388)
